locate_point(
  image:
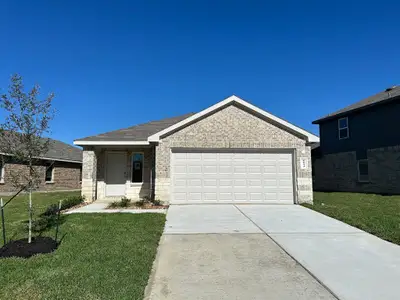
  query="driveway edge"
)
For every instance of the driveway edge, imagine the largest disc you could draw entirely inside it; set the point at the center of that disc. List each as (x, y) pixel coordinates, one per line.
(150, 282)
(284, 250)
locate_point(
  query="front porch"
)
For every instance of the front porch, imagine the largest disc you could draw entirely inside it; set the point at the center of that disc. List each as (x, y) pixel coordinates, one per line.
(111, 172)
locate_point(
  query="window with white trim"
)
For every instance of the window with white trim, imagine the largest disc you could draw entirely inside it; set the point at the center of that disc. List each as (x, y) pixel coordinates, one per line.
(49, 176)
(137, 168)
(363, 171)
(343, 126)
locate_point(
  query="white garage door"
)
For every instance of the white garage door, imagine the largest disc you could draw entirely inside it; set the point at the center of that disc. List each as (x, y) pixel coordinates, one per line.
(231, 177)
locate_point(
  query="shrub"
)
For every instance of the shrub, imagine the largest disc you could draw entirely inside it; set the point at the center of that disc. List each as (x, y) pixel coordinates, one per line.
(157, 202)
(114, 204)
(140, 203)
(66, 203)
(125, 202)
(71, 201)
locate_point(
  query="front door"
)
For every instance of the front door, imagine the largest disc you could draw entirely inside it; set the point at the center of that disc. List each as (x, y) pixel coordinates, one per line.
(115, 174)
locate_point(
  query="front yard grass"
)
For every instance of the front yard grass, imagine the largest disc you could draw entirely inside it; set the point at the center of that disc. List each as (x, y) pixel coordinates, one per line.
(102, 256)
(376, 214)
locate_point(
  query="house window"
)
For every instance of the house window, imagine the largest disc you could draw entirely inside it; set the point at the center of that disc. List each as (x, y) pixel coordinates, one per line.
(137, 167)
(363, 172)
(49, 177)
(343, 125)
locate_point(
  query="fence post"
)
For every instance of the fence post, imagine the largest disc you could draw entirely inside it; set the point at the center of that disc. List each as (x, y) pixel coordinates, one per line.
(3, 225)
(58, 218)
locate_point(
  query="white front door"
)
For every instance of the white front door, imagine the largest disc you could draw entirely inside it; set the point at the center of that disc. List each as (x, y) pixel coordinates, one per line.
(115, 174)
(232, 177)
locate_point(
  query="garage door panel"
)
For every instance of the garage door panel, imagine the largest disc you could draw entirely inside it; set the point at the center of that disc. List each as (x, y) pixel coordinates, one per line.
(240, 197)
(232, 177)
(210, 182)
(225, 169)
(210, 169)
(225, 183)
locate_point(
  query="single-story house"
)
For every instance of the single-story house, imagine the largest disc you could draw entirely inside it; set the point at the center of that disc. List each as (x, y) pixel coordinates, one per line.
(360, 146)
(231, 152)
(60, 169)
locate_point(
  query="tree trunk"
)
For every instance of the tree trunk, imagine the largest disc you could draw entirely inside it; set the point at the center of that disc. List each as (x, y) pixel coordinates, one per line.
(30, 215)
(30, 204)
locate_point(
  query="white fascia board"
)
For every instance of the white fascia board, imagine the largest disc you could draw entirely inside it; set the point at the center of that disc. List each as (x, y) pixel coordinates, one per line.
(310, 137)
(111, 143)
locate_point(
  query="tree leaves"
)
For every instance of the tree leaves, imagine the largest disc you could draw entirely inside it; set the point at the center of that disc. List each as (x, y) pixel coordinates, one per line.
(27, 121)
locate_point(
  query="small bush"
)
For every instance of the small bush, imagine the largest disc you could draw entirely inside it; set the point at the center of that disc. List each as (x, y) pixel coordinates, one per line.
(157, 202)
(140, 203)
(114, 204)
(125, 202)
(71, 201)
(65, 204)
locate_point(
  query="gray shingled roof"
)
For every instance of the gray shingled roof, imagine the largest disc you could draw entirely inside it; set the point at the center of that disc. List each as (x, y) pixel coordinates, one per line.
(380, 98)
(57, 150)
(62, 151)
(138, 132)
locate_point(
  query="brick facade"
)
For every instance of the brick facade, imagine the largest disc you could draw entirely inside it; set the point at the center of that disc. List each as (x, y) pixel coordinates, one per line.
(338, 172)
(66, 176)
(232, 127)
(229, 128)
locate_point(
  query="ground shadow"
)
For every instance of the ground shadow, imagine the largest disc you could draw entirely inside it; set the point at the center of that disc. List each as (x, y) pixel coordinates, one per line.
(49, 220)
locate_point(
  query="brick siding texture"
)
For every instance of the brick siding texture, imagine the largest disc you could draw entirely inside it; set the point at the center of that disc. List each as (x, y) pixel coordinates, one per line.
(338, 172)
(66, 176)
(232, 127)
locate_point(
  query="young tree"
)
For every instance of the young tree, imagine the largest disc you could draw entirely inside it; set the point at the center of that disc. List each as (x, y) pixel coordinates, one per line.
(21, 135)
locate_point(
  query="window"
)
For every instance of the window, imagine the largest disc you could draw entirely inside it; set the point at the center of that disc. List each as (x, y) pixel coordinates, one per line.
(137, 167)
(363, 172)
(343, 128)
(49, 172)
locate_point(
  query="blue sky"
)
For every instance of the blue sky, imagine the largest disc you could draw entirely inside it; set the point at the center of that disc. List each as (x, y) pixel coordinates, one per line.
(113, 64)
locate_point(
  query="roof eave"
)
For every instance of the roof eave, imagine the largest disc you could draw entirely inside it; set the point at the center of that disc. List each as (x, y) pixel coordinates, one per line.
(344, 113)
(111, 143)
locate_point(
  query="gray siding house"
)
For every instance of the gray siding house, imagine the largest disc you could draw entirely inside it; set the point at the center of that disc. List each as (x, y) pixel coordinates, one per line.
(359, 148)
(231, 152)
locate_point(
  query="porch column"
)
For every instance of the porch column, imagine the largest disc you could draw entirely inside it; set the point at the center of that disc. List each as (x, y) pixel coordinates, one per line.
(89, 174)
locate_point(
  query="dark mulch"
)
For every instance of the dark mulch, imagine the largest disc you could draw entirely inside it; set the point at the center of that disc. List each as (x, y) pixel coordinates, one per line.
(21, 248)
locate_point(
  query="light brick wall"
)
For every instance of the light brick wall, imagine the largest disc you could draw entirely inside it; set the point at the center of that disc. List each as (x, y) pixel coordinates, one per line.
(338, 172)
(89, 174)
(232, 127)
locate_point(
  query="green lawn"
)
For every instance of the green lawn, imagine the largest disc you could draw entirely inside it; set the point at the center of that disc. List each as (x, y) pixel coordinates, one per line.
(102, 256)
(376, 214)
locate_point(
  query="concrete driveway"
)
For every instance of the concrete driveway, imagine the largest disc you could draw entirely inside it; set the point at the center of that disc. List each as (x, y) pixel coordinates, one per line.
(269, 252)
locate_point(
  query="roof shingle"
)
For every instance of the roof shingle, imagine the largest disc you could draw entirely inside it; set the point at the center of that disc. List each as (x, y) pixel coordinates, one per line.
(380, 98)
(138, 132)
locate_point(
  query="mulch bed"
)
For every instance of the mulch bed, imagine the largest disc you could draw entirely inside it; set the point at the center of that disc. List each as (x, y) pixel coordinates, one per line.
(146, 206)
(21, 248)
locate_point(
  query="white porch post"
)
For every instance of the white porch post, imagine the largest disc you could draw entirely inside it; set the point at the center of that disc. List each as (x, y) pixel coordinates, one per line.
(89, 174)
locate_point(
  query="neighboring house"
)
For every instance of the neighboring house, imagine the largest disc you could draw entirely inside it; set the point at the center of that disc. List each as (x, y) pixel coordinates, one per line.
(360, 146)
(231, 152)
(60, 169)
